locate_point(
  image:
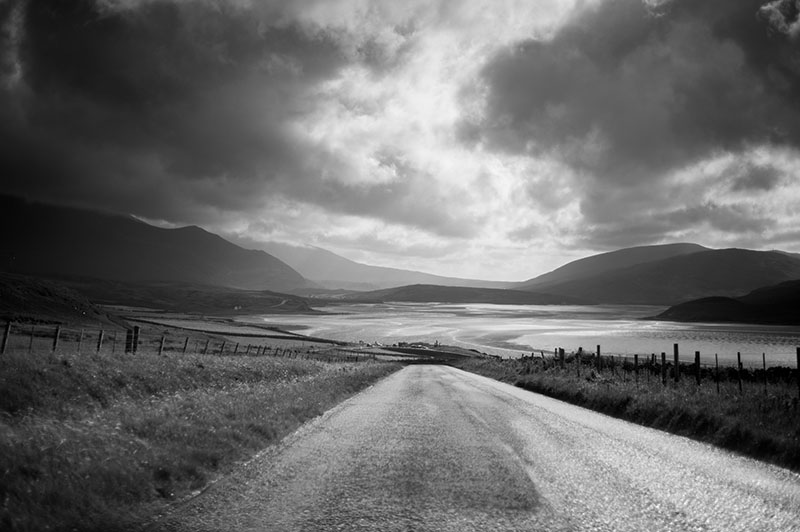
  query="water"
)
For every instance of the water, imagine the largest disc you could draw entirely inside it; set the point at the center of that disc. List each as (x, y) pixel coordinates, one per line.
(513, 330)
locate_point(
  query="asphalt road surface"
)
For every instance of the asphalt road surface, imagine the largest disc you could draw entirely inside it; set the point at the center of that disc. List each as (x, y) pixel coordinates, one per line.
(435, 448)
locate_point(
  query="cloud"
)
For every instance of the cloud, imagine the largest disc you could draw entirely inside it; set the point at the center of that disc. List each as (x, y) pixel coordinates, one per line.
(628, 93)
(629, 96)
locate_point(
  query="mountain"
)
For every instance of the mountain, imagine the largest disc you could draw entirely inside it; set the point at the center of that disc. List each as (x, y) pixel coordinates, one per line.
(776, 304)
(723, 272)
(423, 293)
(607, 262)
(333, 271)
(49, 240)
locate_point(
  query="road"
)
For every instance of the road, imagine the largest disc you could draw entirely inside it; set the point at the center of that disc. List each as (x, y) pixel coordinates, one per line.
(436, 448)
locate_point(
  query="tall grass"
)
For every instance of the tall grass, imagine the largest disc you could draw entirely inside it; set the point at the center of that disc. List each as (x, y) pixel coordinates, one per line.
(98, 442)
(761, 425)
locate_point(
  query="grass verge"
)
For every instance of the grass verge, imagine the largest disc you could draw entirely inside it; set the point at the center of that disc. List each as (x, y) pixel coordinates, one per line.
(91, 442)
(761, 425)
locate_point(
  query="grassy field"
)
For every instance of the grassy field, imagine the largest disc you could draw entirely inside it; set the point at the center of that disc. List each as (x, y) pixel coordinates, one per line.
(758, 423)
(102, 441)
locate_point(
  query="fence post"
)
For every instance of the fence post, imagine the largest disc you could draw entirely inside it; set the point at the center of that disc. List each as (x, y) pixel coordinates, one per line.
(636, 368)
(135, 338)
(677, 371)
(128, 341)
(185, 345)
(663, 368)
(56, 338)
(764, 360)
(222, 348)
(739, 370)
(99, 340)
(598, 357)
(236, 349)
(6, 336)
(697, 365)
(248, 349)
(561, 357)
(30, 342)
(205, 349)
(161, 346)
(716, 371)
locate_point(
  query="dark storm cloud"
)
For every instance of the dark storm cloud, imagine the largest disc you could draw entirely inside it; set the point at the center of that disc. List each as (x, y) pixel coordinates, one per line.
(153, 102)
(756, 177)
(731, 223)
(627, 93)
(180, 110)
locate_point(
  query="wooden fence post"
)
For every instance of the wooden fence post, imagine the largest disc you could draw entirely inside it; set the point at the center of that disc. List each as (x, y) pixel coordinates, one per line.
(636, 368)
(249, 346)
(236, 349)
(128, 341)
(222, 348)
(161, 345)
(135, 346)
(739, 370)
(677, 371)
(561, 357)
(56, 338)
(764, 360)
(6, 336)
(663, 368)
(716, 371)
(798, 372)
(99, 340)
(205, 349)
(185, 345)
(598, 357)
(697, 366)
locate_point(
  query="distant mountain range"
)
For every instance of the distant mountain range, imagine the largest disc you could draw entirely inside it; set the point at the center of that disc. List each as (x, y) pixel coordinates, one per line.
(682, 273)
(333, 271)
(777, 304)
(422, 293)
(48, 240)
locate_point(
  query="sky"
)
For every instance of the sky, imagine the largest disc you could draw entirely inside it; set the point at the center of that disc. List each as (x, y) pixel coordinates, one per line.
(491, 139)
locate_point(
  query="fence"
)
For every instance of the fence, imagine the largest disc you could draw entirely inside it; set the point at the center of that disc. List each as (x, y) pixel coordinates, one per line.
(654, 368)
(20, 337)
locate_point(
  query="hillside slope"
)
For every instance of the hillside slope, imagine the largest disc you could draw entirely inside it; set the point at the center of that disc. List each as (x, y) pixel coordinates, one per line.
(333, 271)
(725, 272)
(607, 262)
(62, 241)
(776, 304)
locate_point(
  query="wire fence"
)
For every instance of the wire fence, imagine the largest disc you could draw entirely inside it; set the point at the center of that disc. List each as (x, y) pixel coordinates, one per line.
(670, 369)
(22, 337)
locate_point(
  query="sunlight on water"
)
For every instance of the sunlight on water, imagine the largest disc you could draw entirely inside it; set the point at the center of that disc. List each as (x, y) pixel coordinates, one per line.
(512, 330)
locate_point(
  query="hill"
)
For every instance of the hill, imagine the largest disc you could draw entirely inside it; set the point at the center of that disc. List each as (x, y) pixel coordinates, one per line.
(724, 272)
(607, 262)
(49, 240)
(423, 293)
(333, 271)
(776, 304)
(27, 299)
(188, 298)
